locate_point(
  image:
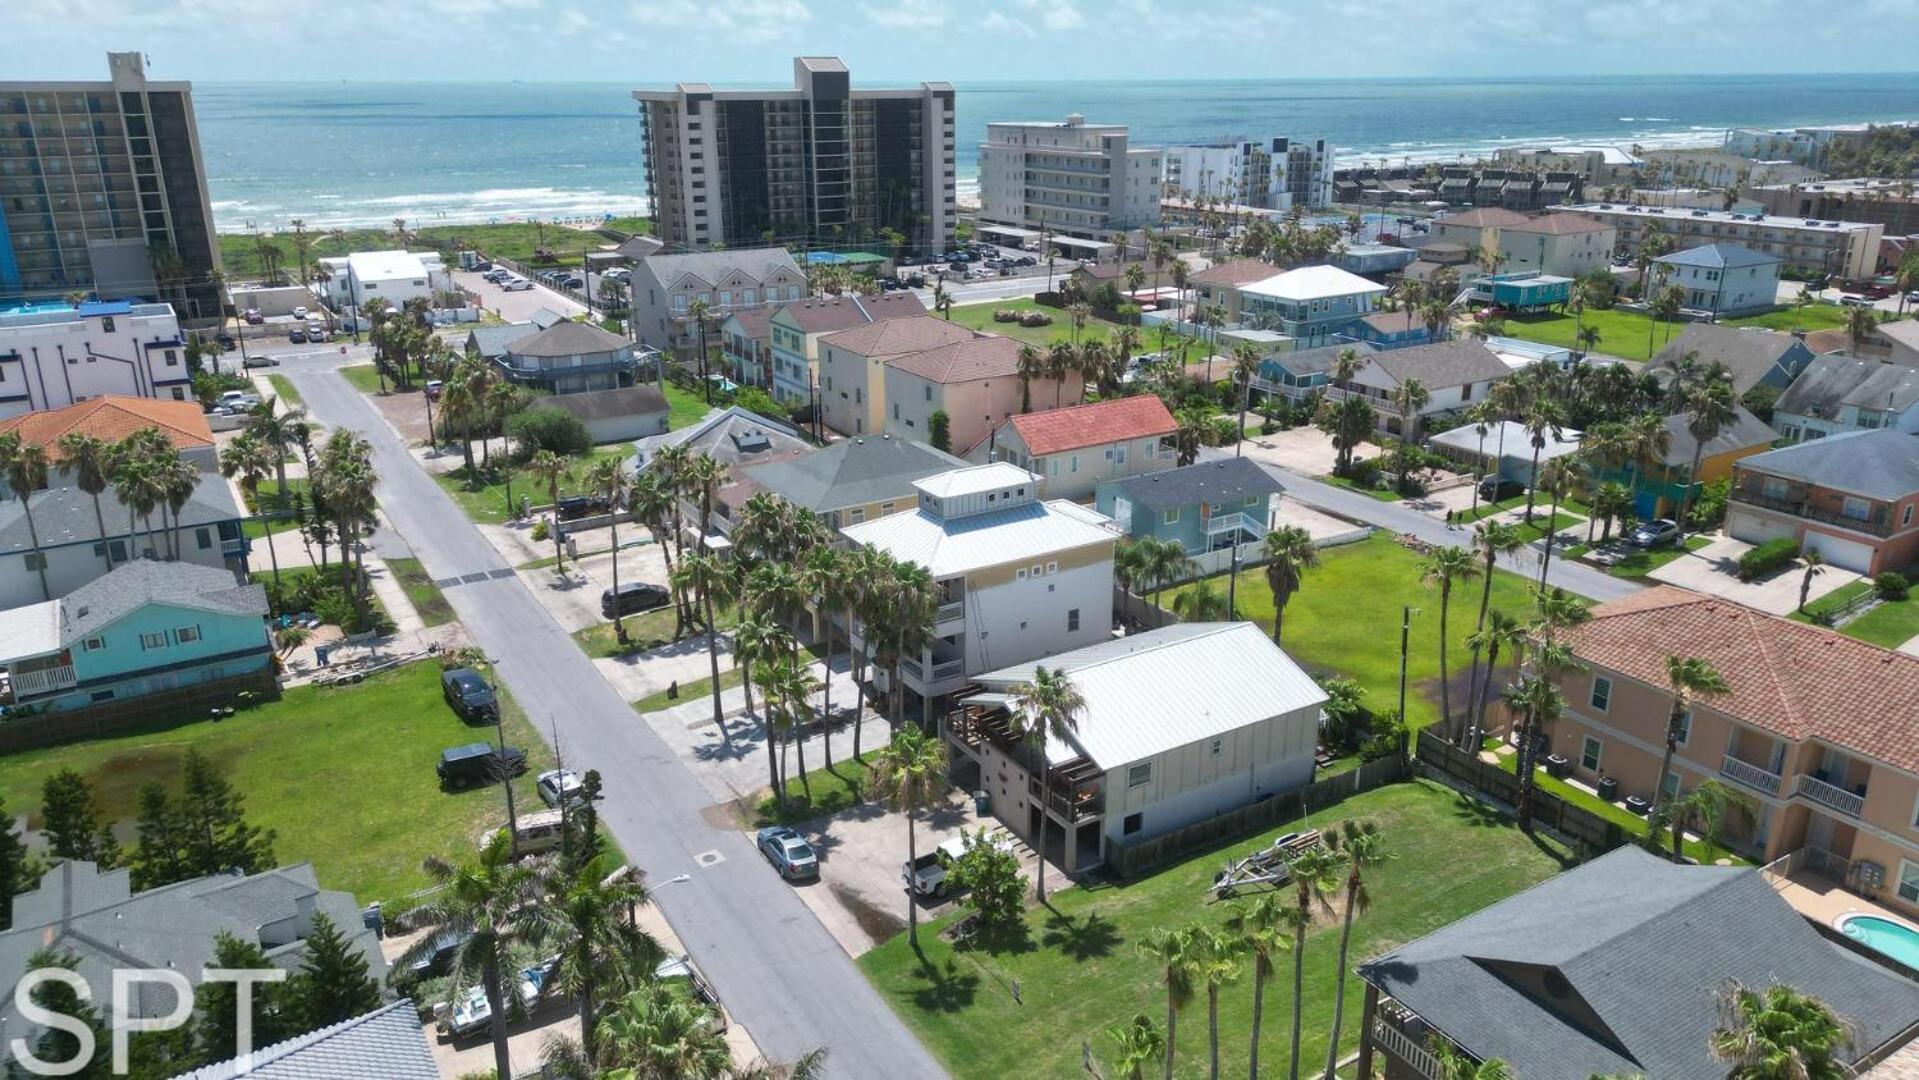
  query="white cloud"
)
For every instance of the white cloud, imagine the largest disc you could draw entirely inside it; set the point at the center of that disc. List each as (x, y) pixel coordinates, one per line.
(1062, 15)
(739, 20)
(907, 14)
(998, 22)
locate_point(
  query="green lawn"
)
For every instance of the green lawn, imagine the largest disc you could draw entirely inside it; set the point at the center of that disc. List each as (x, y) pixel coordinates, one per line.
(1079, 970)
(1641, 562)
(1623, 333)
(1343, 618)
(363, 378)
(1889, 625)
(517, 240)
(832, 788)
(1820, 316)
(343, 774)
(270, 501)
(283, 387)
(1833, 600)
(1703, 851)
(684, 407)
(485, 499)
(980, 317)
(647, 630)
(1382, 494)
(690, 691)
(428, 602)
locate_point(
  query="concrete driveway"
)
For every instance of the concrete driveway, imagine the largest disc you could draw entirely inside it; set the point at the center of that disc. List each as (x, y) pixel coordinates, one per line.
(1714, 569)
(1304, 450)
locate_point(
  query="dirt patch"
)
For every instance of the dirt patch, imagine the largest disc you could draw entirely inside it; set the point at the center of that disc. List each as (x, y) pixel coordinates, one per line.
(873, 921)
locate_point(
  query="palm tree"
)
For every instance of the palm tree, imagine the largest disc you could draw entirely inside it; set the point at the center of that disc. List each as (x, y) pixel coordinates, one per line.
(942, 300)
(1409, 397)
(1265, 928)
(786, 688)
(178, 479)
(1179, 954)
(1289, 552)
(1454, 1065)
(1815, 566)
(1201, 603)
(553, 468)
(1046, 709)
(871, 574)
(1687, 678)
(136, 486)
(757, 637)
(1501, 631)
(1560, 476)
(1363, 848)
(598, 947)
(658, 1033)
(1710, 406)
(705, 578)
(24, 465)
(89, 458)
(1861, 322)
(496, 904)
(1780, 1034)
(1245, 370)
(608, 478)
(1443, 568)
(696, 312)
(1646, 442)
(1061, 360)
(1218, 965)
(1705, 809)
(1610, 501)
(1544, 416)
(1539, 703)
(1348, 421)
(910, 775)
(1163, 561)
(1315, 876)
(1031, 365)
(1140, 1040)
(1491, 539)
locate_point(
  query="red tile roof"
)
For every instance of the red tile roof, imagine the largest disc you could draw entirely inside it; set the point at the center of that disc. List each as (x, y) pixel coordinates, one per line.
(985, 356)
(1789, 678)
(1093, 425)
(888, 337)
(113, 417)
(1560, 225)
(1236, 272)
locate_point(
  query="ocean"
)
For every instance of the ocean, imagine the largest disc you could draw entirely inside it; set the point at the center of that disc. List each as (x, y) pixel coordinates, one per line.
(339, 154)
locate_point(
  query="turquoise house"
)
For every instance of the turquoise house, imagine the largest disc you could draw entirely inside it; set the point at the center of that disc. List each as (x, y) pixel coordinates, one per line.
(1203, 507)
(145, 628)
(1524, 291)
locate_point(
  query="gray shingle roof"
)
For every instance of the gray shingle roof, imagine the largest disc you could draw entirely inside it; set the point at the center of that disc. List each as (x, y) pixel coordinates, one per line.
(1882, 464)
(1440, 364)
(133, 585)
(1744, 431)
(387, 1042)
(1718, 257)
(1750, 355)
(491, 341)
(1211, 482)
(569, 338)
(724, 433)
(1317, 360)
(1834, 381)
(65, 515)
(1614, 968)
(854, 472)
(604, 404)
(756, 263)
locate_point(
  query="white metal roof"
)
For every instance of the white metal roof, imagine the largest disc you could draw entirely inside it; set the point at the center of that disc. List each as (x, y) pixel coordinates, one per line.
(1518, 441)
(33, 630)
(1313, 283)
(1167, 688)
(1016, 534)
(974, 480)
(386, 265)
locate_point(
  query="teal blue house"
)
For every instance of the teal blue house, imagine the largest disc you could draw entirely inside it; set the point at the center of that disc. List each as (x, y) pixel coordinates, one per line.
(1204, 507)
(147, 627)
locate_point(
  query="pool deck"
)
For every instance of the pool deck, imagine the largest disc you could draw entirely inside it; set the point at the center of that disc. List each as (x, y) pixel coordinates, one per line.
(1823, 900)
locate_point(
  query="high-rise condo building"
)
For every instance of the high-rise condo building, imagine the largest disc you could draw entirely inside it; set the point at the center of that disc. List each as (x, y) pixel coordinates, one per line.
(821, 164)
(1071, 178)
(103, 190)
(1277, 174)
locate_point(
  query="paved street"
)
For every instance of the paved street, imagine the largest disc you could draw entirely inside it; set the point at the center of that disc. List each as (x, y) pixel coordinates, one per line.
(777, 969)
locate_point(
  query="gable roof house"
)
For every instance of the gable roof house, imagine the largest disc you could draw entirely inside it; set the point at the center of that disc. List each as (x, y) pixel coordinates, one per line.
(856, 479)
(1852, 497)
(491, 342)
(1220, 283)
(795, 331)
(1659, 490)
(1203, 507)
(1311, 304)
(1074, 449)
(1132, 769)
(975, 382)
(387, 1042)
(852, 366)
(1615, 968)
(1837, 393)
(112, 417)
(1562, 244)
(1752, 357)
(746, 345)
(1456, 374)
(1298, 374)
(1725, 279)
(737, 438)
(570, 357)
(622, 415)
(665, 289)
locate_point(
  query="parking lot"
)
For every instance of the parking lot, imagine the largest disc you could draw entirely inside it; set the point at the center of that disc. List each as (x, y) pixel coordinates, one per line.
(517, 306)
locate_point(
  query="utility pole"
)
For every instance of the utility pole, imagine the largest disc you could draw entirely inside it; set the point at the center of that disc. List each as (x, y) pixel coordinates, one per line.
(1232, 583)
(1405, 633)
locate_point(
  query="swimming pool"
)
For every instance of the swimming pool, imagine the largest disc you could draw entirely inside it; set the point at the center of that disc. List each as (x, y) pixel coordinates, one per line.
(1895, 939)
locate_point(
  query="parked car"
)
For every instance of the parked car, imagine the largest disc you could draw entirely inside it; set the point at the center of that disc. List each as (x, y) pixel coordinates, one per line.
(1854, 300)
(926, 875)
(226, 342)
(575, 507)
(1495, 488)
(538, 832)
(516, 285)
(573, 282)
(468, 1015)
(253, 316)
(261, 361)
(1649, 534)
(483, 264)
(557, 784)
(789, 853)
(462, 767)
(632, 598)
(316, 332)
(434, 388)
(438, 957)
(297, 334)
(238, 400)
(300, 312)
(469, 695)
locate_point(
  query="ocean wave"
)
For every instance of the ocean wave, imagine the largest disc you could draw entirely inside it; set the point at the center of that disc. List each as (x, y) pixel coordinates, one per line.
(454, 207)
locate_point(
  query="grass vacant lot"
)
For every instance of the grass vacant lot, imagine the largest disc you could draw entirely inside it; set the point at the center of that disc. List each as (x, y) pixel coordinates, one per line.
(428, 601)
(517, 240)
(832, 788)
(343, 774)
(1344, 621)
(485, 498)
(1080, 971)
(284, 389)
(1819, 316)
(980, 317)
(363, 378)
(1888, 625)
(1623, 333)
(269, 500)
(684, 407)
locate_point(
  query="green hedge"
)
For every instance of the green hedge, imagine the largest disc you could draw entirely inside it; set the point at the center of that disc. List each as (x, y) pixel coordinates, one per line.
(1767, 557)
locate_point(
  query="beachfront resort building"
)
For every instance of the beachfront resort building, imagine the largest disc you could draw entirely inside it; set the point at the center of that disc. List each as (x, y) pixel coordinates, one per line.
(1273, 174)
(1848, 249)
(53, 355)
(103, 190)
(1081, 182)
(1132, 769)
(816, 163)
(1019, 579)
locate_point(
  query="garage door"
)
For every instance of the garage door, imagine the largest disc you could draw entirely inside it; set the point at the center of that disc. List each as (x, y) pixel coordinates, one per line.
(1756, 528)
(1845, 554)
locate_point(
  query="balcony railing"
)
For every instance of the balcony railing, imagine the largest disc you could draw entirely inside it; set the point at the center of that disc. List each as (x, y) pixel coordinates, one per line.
(950, 612)
(1225, 523)
(1830, 796)
(1401, 1045)
(27, 684)
(942, 671)
(1752, 776)
(1879, 524)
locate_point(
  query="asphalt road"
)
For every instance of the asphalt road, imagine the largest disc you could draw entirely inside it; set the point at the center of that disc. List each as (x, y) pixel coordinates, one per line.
(776, 968)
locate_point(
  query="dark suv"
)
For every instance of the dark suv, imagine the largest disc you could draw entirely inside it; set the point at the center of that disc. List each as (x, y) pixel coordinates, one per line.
(469, 695)
(479, 763)
(632, 598)
(1495, 488)
(575, 507)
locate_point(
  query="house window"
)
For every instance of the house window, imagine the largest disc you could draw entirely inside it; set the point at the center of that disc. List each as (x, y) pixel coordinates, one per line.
(1132, 824)
(1072, 621)
(1856, 509)
(1589, 753)
(187, 634)
(93, 644)
(886, 508)
(1906, 518)
(153, 641)
(173, 358)
(1020, 574)
(928, 391)
(1038, 569)
(1684, 727)
(857, 514)
(1219, 745)
(1171, 517)
(1909, 881)
(1669, 784)
(204, 537)
(1052, 568)
(1075, 467)
(1602, 693)
(1139, 775)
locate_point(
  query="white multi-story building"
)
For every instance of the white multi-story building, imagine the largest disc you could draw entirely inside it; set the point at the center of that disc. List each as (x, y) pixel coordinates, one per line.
(1848, 249)
(1019, 579)
(393, 276)
(1073, 178)
(53, 357)
(821, 162)
(1277, 174)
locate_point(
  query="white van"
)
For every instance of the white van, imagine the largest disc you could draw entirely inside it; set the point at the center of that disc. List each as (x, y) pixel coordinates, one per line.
(538, 832)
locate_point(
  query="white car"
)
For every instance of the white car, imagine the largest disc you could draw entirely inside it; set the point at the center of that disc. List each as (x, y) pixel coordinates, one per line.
(239, 400)
(516, 285)
(556, 785)
(299, 313)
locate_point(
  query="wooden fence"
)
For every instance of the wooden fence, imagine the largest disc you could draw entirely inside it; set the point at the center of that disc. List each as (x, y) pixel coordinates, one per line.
(1462, 769)
(1131, 860)
(179, 705)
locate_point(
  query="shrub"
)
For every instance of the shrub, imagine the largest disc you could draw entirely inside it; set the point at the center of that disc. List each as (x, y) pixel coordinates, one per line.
(540, 531)
(548, 428)
(1269, 426)
(1035, 318)
(1388, 737)
(1767, 557)
(991, 880)
(1710, 505)
(1891, 585)
(1005, 315)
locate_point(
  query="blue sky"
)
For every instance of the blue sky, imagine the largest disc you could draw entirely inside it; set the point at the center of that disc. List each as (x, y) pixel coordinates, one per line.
(648, 41)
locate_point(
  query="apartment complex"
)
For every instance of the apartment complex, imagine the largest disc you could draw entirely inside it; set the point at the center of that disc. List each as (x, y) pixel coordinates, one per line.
(1851, 497)
(1276, 174)
(97, 179)
(821, 161)
(1849, 249)
(53, 355)
(1073, 178)
(669, 291)
(1891, 203)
